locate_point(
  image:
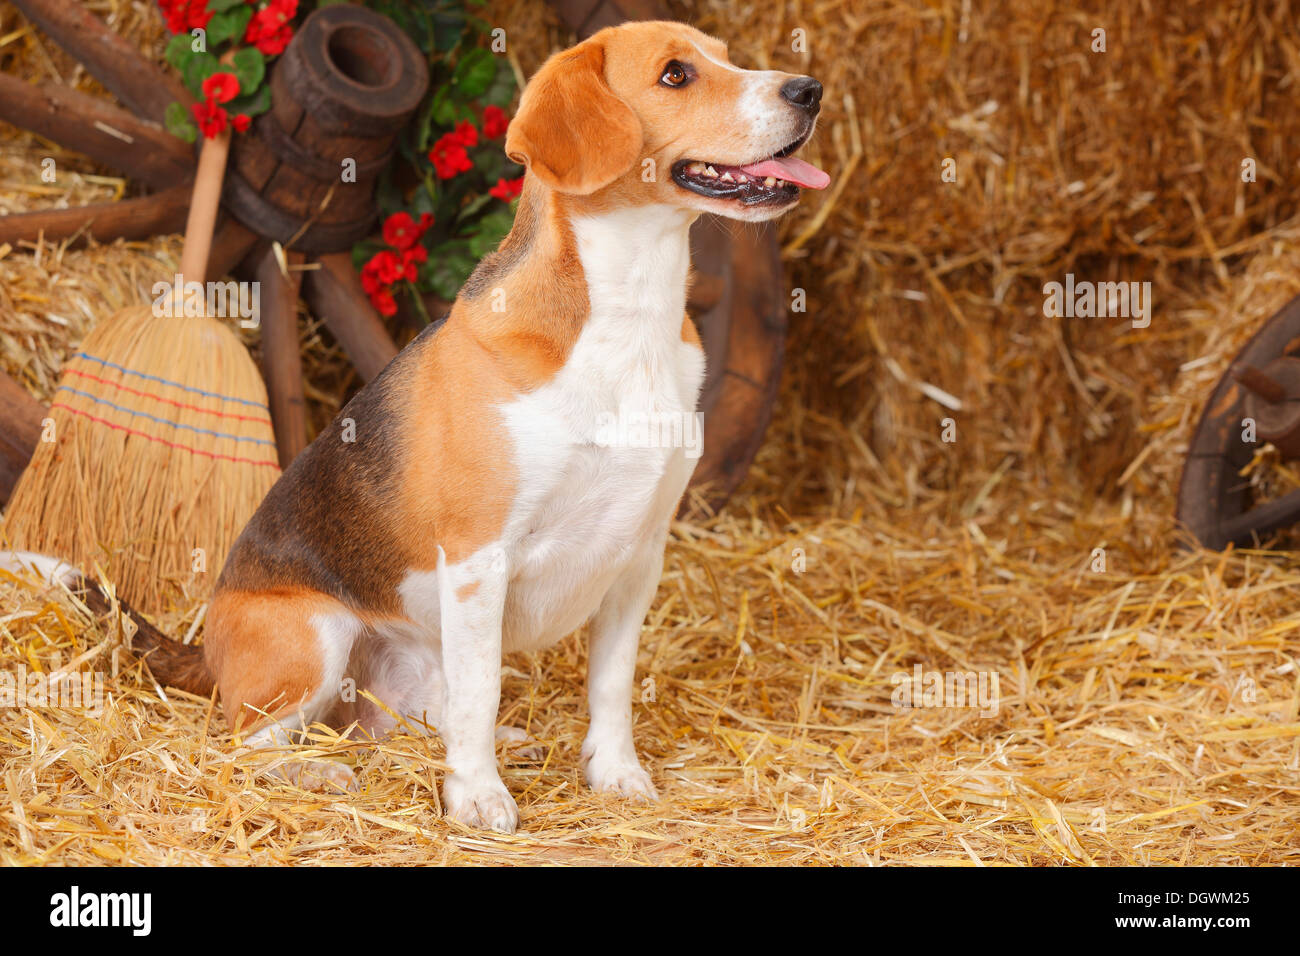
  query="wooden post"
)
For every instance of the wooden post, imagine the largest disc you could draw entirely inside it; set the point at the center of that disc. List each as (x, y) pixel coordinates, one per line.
(281, 360)
(335, 295)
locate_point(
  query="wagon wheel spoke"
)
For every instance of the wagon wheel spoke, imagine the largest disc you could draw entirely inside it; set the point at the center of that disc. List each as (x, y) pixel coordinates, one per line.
(139, 218)
(1263, 519)
(141, 86)
(100, 130)
(281, 360)
(334, 294)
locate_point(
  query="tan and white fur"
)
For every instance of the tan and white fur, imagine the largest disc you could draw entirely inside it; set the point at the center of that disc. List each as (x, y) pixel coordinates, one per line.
(476, 512)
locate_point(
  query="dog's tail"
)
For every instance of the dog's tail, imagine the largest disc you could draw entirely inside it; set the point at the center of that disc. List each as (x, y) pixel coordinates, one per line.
(171, 662)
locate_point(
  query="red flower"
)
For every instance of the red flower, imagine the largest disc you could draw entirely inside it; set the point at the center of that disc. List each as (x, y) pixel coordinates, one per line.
(383, 301)
(241, 123)
(269, 28)
(449, 157)
(211, 118)
(377, 277)
(388, 266)
(495, 122)
(402, 232)
(410, 260)
(185, 15)
(221, 87)
(507, 189)
(465, 134)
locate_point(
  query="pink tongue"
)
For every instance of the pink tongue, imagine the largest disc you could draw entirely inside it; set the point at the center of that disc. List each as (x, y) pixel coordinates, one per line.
(791, 170)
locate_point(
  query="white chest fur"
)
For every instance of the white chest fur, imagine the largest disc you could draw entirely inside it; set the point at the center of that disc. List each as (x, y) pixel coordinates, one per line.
(601, 464)
(605, 449)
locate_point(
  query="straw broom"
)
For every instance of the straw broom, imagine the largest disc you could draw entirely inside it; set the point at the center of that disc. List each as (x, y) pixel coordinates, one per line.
(162, 444)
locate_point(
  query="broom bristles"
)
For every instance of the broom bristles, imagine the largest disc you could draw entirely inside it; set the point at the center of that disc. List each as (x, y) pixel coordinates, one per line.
(162, 450)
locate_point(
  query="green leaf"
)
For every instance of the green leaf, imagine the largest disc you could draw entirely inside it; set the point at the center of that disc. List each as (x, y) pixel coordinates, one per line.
(448, 27)
(199, 68)
(220, 6)
(254, 104)
(422, 203)
(230, 25)
(475, 72)
(492, 228)
(178, 50)
(449, 266)
(388, 196)
(474, 205)
(445, 112)
(178, 122)
(250, 67)
(502, 88)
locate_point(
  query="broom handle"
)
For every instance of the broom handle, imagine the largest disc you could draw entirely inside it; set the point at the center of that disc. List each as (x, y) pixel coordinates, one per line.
(202, 220)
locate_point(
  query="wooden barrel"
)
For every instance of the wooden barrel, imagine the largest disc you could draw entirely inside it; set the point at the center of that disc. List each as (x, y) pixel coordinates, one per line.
(341, 93)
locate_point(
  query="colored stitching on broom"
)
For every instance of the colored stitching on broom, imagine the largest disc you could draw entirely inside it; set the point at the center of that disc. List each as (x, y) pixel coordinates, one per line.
(159, 398)
(155, 378)
(163, 441)
(163, 421)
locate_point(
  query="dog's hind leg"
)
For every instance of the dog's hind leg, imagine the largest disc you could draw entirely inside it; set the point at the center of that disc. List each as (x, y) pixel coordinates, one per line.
(279, 659)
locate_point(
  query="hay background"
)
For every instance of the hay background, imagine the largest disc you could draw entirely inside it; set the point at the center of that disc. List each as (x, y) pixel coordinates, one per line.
(772, 737)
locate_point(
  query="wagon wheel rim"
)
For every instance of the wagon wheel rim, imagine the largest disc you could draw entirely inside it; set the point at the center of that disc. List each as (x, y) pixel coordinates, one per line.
(1214, 501)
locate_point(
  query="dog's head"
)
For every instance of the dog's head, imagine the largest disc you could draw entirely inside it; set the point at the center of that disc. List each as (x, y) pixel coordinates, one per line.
(653, 112)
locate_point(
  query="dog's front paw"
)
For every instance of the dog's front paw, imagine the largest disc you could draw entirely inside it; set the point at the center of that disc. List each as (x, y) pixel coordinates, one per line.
(480, 801)
(620, 776)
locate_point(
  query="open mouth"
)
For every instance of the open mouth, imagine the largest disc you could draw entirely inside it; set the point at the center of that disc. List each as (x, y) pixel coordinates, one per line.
(772, 181)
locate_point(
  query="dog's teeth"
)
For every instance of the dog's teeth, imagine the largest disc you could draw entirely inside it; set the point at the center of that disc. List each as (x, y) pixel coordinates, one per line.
(780, 184)
(769, 182)
(711, 172)
(741, 178)
(695, 169)
(727, 178)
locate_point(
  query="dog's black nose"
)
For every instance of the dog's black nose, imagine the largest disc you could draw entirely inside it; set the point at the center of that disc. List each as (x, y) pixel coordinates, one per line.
(803, 92)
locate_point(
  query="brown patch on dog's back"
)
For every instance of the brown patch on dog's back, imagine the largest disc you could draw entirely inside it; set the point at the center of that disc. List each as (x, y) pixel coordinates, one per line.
(331, 523)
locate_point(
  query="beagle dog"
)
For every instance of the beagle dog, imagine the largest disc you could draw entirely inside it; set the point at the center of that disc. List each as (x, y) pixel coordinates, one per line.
(471, 500)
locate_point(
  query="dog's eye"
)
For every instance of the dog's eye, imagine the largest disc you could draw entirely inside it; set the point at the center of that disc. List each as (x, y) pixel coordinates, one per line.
(674, 75)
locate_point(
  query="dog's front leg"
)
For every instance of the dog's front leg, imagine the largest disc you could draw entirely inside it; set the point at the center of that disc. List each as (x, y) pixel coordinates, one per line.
(471, 596)
(609, 753)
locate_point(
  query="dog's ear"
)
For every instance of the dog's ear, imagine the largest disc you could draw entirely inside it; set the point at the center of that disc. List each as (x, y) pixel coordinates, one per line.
(572, 132)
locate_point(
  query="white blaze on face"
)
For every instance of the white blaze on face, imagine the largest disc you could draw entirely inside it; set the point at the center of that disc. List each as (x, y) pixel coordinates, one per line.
(760, 107)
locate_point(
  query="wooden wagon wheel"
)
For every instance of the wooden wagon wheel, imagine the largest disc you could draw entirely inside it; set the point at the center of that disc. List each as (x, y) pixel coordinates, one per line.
(1263, 386)
(738, 301)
